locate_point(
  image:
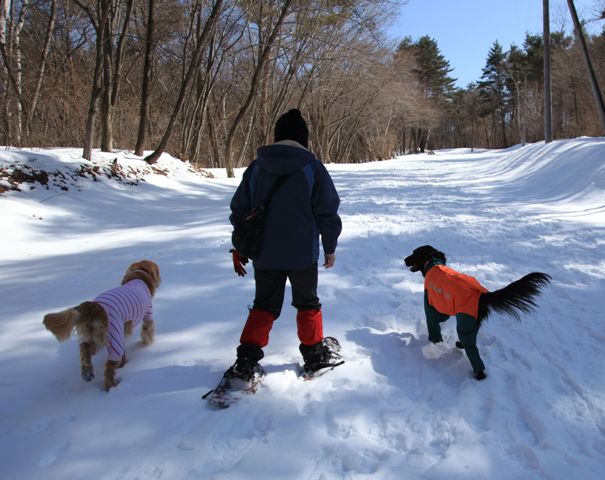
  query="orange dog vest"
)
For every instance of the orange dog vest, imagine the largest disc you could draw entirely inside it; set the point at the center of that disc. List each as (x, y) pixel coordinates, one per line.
(451, 292)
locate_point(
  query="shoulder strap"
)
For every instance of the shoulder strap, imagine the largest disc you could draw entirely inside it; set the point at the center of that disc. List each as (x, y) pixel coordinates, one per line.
(275, 187)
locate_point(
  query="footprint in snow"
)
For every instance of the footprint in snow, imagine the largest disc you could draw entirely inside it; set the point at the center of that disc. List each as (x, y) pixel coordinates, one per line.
(185, 446)
(52, 454)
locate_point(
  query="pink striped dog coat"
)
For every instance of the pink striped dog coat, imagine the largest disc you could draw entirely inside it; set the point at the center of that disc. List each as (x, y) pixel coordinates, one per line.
(128, 302)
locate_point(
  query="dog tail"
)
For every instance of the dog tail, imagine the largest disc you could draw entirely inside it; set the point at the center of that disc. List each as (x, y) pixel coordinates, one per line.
(61, 324)
(517, 297)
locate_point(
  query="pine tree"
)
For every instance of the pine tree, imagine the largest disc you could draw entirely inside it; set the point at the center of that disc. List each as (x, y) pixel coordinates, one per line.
(493, 90)
(431, 71)
(434, 69)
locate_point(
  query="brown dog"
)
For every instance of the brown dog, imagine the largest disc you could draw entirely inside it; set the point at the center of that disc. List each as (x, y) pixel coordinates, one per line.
(105, 321)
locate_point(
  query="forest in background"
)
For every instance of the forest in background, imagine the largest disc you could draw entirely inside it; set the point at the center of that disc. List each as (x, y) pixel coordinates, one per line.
(205, 80)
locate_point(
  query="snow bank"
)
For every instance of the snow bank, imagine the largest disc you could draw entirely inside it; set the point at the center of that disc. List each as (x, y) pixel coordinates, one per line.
(399, 408)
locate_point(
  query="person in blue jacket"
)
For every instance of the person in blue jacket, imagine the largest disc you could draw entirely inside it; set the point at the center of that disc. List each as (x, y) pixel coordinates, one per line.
(304, 208)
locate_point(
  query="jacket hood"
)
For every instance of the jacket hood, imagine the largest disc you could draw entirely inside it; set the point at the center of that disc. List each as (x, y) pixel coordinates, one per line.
(283, 157)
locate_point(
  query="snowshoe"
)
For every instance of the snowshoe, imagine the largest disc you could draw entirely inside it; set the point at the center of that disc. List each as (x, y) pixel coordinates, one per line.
(311, 374)
(234, 385)
(320, 358)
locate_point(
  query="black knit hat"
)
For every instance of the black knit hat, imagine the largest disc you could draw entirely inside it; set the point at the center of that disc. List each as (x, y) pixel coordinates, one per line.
(292, 126)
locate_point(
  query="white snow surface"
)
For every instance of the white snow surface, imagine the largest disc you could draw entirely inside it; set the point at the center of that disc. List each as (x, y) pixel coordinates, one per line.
(399, 408)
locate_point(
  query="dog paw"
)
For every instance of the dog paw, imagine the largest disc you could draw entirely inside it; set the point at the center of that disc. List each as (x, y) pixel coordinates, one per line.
(147, 332)
(87, 374)
(479, 375)
(109, 385)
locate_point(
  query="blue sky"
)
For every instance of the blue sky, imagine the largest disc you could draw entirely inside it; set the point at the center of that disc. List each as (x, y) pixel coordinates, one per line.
(466, 29)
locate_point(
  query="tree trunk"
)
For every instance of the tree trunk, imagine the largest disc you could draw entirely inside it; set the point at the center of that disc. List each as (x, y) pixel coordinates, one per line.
(10, 49)
(96, 79)
(4, 17)
(119, 55)
(112, 67)
(216, 151)
(546, 62)
(473, 123)
(42, 67)
(145, 87)
(21, 111)
(250, 129)
(106, 108)
(503, 121)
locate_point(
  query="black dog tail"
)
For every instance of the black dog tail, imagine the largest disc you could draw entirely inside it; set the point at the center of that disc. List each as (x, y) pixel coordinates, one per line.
(517, 297)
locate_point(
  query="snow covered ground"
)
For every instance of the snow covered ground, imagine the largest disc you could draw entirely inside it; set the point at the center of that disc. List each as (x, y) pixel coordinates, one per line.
(399, 408)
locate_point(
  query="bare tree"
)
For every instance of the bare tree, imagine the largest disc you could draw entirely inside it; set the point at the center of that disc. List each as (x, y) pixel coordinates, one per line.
(146, 84)
(119, 12)
(202, 41)
(43, 61)
(265, 44)
(206, 80)
(224, 39)
(5, 29)
(594, 84)
(98, 17)
(10, 49)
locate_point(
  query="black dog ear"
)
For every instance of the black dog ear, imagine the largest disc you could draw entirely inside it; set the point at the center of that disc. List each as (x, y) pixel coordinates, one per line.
(439, 255)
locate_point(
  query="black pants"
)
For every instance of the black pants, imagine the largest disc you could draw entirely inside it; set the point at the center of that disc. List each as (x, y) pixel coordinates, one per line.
(271, 286)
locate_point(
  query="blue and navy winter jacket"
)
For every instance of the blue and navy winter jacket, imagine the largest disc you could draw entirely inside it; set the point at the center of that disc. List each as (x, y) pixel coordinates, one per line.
(304, 207)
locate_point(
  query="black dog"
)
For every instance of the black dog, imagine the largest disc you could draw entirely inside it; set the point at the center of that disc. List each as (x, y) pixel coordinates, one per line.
(448, 292)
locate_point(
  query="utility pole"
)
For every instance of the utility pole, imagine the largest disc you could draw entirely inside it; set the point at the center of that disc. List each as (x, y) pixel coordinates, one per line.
(591, 75)
(547, 89)
(473, 128)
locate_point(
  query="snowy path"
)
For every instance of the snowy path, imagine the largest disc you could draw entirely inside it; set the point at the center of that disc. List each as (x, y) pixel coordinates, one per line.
(399, 408)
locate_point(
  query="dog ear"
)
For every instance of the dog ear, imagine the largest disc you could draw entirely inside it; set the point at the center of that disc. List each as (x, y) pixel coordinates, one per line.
(154, 271)
(439, 255)
(129, 271)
